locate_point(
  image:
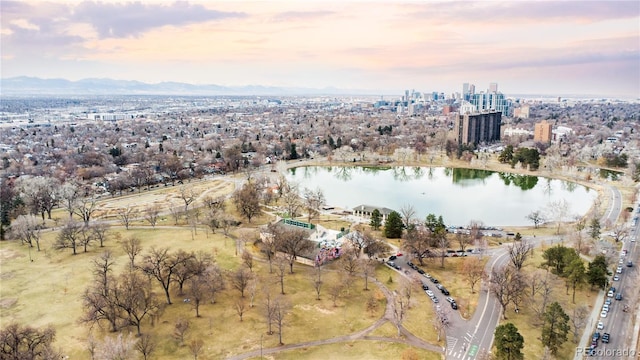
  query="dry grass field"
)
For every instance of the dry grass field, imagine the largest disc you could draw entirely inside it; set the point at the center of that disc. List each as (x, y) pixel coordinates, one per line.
(41, 288)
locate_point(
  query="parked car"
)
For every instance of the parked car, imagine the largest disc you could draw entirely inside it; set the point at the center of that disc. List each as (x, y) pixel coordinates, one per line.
(434, 280)
(454, 306)
(600, 325)
(618, 296)
(603, 314)
(616, 277)
(444, 290)
(619, 270)
(605, 338)
(429, 293)
(424, 286)
(392, 257)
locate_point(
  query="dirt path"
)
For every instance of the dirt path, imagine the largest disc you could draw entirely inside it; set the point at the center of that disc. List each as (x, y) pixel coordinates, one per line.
(408, 338)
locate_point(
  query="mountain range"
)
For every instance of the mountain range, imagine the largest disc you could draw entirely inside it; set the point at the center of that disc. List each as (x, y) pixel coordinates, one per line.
(25, 86)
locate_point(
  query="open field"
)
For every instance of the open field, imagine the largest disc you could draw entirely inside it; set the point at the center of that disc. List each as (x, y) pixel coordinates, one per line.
(48, 290)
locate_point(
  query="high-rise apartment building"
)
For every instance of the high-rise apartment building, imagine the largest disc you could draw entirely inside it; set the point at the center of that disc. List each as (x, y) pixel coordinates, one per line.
(542, 132)
(477, 128)
(493, 87)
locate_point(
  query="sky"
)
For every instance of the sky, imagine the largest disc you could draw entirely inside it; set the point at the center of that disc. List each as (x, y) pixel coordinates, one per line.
(541, 47)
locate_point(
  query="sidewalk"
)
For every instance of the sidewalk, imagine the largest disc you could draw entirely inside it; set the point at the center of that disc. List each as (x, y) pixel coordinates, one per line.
(585, 340)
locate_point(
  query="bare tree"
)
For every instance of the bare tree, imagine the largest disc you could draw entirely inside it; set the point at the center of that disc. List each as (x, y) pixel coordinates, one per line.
(196, 346)
(292, 242)
(268, 306)
(558, 210)
(69, 236)
(240, 279)
(100, 232)
(316, 280)
(519, 251)
(240, 307)
(400, 305)
(193, 265)
(132, 247)
(188, 196)
(180, 329)
(417, 242)
(70, 194)
(85, 208)
(291, 198)
(116, 348)
(26, 342)
(350, 265)
(247, 260)
(280, 309)
(161, 265)
(619, 233)
(407, 212)
(151, 214)
(205, 286)
(247, 200)
(537, 217)
(579, 321)
(134, 297)
(441, 322)
(126, 216)
(146, 346)
(27, 229)
(368, 268)
(313, 202)
(335, 289)
(473, 270)
(281, 270)
(507, 286)
(176, 213)
(98, 299)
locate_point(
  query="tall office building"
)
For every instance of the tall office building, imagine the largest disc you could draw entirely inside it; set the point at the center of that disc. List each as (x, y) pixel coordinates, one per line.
(477, 128)
(542, 132)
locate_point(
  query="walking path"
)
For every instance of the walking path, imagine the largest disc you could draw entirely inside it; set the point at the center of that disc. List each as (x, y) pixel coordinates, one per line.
(408, 338)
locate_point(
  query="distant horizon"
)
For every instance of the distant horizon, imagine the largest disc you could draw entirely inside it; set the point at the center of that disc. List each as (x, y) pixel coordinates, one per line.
(388, 46)
(348, 91)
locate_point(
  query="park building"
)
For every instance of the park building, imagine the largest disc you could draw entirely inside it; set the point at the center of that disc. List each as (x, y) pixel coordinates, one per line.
(477, 128)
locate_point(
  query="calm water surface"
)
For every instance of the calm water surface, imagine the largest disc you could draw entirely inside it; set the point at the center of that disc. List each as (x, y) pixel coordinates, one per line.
(459, 195)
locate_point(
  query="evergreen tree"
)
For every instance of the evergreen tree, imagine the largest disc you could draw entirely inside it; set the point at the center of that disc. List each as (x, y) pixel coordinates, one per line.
(555, 328)
(597, 274)
(393, 226)
(509, 343)
(376, 219)
(594, 229)
(576, 275)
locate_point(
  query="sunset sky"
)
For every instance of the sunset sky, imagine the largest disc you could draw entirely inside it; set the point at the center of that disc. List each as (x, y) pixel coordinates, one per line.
(542, 47)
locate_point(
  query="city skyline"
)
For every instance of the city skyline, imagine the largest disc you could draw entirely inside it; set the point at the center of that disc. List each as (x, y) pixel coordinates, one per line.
(388, 46)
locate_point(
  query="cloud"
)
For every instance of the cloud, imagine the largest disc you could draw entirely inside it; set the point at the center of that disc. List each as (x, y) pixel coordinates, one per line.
(535, 11)
(131, 19)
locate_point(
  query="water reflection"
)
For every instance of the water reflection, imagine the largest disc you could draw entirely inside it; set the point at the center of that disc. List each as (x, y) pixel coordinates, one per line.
(459, 195)
(524, 182)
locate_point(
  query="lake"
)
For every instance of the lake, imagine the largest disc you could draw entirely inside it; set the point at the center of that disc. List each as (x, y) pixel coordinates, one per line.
(459, 195)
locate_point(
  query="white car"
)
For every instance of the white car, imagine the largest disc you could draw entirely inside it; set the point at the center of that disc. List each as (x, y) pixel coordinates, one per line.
(605, 307)
(603, 314)
(429, 293)
(616, 277)
(619, 270)
(600, 325)
(610, 293)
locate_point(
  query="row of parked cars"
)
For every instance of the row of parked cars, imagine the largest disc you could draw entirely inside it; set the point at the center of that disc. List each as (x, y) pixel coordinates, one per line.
(438, 286)
(425, 287)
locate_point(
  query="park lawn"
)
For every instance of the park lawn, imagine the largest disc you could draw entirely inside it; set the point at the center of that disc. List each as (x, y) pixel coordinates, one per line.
(58, 279)
(420, 317)
(355, 350)
(530, 327)
(387, 330)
